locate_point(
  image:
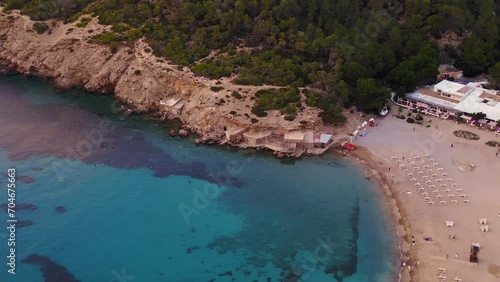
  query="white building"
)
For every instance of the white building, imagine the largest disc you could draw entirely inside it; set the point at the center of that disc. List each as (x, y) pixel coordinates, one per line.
(450, 98)
(172, 105)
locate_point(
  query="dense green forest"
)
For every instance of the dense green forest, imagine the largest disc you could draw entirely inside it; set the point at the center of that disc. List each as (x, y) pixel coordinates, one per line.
(348, 52)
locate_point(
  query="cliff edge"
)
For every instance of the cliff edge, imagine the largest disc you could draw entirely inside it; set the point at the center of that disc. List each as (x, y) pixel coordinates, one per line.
(135, 76)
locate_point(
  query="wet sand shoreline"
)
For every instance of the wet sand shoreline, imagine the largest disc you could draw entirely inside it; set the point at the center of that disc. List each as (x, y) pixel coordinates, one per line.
(393, 207)
(415, 219)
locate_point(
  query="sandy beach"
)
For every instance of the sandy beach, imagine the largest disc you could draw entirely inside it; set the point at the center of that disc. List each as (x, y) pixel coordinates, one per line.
(447, 255)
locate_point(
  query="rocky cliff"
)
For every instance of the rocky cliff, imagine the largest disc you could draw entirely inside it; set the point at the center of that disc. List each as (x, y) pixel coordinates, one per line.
(132, 73)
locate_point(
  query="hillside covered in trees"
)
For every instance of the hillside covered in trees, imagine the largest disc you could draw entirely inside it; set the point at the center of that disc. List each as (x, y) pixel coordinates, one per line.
(348, 52)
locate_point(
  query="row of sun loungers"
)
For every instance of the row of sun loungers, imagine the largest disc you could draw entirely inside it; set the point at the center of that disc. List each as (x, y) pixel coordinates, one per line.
(429, 164)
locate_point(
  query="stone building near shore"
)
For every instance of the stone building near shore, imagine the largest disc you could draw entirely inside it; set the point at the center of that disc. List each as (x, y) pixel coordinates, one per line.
(255, 138)
(172, 106)
(235, 133)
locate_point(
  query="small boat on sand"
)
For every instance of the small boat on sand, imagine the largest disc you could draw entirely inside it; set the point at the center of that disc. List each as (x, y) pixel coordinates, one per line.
(348, 145)
(384, 111)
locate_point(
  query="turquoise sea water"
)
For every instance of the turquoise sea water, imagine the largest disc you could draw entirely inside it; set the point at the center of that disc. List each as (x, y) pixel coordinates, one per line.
(113, 200)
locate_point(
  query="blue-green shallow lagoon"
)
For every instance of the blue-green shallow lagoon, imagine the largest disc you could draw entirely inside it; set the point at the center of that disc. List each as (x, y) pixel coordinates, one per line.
(136, 205)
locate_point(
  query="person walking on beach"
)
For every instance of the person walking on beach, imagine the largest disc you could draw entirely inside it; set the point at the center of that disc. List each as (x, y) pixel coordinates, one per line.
(456, 255)
(452, 145)
(413, 128)
(496, 155)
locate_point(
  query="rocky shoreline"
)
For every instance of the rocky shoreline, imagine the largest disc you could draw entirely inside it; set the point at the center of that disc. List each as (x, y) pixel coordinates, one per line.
(135, 77)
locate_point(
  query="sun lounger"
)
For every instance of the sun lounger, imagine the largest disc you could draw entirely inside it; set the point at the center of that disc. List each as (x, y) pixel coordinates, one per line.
(434, 175)
(412, 163)
(426, 166)
(417, 184)
(449, 179)
(449, 223)
(435, 164)
(421, 189)
(431, 160)
(442, 202)
(459, 190)
(416, 168)
(405, 170)
(463, 195)
(413, 179)
(420, 172)
(402, 166)
(432, 186)
(454, 201)
(426, 155)
(431, 203)
(398, 162)
(465, 201)
(428, 182)
(429, 170)
(425, 194)
(483, 221)
(439, 196)
(442, 185)
(451, 195)
(410, 174)
(425, 177)
(447, 190)
(484, 228)
(439, 180)
(440, 169)
(435, 191)
(444, 174)
(393, 157)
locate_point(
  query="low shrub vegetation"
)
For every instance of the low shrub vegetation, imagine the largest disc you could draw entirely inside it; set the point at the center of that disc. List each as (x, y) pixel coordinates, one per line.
(216, 88)
(466, 135)
(493, 143)
(236, 95)
(84, 22)
(40, 27)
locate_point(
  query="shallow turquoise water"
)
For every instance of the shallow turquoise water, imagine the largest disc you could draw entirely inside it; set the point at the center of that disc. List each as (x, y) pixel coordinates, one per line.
(141, 206)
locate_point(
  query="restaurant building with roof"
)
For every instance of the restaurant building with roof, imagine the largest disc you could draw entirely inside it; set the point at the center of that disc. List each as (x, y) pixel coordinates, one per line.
(451, 99)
